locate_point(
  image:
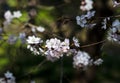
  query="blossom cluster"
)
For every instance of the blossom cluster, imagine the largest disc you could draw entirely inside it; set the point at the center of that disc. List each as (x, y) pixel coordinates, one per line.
(82, 20)
(12, 38)
(115, 3)
(113, 33)
(53, 49)
(9, 16)
(37, 29)
(104, 23)
(86, 5)
(8, 78)
(83, 60)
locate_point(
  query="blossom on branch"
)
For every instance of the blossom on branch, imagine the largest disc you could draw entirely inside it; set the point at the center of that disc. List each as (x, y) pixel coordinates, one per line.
(98, 61)
(86, 5)
(34, 40)
(81, 60)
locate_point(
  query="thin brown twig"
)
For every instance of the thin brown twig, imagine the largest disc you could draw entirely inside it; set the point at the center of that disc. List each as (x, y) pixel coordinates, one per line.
(109, 16)
(84, 46)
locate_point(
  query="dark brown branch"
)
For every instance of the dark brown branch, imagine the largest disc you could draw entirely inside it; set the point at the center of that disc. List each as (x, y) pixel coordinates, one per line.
(84, 46)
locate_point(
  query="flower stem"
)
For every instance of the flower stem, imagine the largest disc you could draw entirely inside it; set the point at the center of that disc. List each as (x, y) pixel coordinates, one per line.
(84, 46)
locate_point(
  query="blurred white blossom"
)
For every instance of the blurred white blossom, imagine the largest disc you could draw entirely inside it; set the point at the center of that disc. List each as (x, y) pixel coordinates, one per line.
(76, 42)
(83, 20)
(90, 14)
(8, 16)
(34, 40)
(53, 43)
(32, 81)
(9, 78)
(86, 5)
(116, 24)
(8, 74)
(115, 3)
(33, 44)
(104, 23)
(56, 48)
(17, 14)
(12, 39)
(35, 50)
(113, 32)
(53, 54)
(65, 46)
(98, 61)
(40, 29)
(81, 59)
(33, 29)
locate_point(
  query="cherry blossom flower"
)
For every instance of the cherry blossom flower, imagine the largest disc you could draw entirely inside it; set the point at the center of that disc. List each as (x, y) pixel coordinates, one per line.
(8, 16)
(98, 61)
(40, 29)
(53, 43)
(86, 5)
(17, 14)
(8, 74)
(81, 59)
(76, 42)
(34, 40)
(65, 45)
(83, 20)
(104, 24)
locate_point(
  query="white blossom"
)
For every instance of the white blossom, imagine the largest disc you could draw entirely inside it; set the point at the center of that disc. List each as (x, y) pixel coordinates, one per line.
(76, 42)
(90, 14)
(98, 61)
(35, 50)
(81, 59)
(81, 20)
(32, 81)
(8, 74)
(53, 43)
(115, 3)
(113, 30)
(65, 45)
(104, 24)
(53, 54)
(113, 36)
(10, 78)
(17, 14)
(2, 80)
(33, 29)
(8, 16)
(56, 48)
(87, 6)
(32, 44)
(116, 24)
(40, 29)
(34, 40)
(112, 33)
